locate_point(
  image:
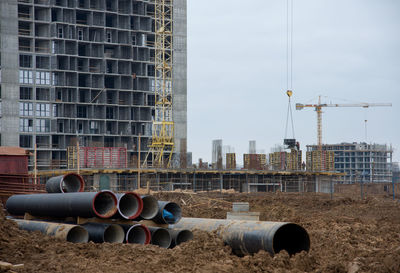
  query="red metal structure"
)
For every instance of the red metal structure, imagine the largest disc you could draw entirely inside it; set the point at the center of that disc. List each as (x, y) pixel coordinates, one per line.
(103, 157)
(13, 160)
(14, 177)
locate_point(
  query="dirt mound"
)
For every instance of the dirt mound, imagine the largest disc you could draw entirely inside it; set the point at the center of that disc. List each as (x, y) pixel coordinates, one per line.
(346, 236)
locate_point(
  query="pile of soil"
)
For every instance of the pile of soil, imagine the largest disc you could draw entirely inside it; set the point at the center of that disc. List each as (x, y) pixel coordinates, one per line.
(347, 235)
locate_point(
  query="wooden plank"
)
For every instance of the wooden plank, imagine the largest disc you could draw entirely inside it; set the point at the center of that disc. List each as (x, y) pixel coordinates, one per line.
(150, 223)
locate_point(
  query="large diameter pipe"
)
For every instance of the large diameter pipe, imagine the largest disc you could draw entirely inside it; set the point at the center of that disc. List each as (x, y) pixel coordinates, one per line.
(105, 233)
(168, 213)
(137, 234)
(70, 182)
(130, 205)
(180, 236)
(70, 233)
(59, 205)
(246, 237)
(160, 237)
(150, 207)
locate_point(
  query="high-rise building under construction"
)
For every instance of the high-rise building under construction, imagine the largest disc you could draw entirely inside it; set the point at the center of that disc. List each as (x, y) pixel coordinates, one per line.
(361, 162)
(83, 70)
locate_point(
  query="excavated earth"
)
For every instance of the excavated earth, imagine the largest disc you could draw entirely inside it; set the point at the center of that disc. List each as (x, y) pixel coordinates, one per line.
(347, 235)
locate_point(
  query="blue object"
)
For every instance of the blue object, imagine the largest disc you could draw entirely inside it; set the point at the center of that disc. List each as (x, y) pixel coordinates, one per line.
(168, 215)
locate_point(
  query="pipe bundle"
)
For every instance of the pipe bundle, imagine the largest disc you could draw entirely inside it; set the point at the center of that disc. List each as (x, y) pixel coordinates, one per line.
(120, 213)
(131, 218)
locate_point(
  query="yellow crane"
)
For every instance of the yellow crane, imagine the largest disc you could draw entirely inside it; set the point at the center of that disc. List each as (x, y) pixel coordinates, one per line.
(318, 108)
(162, 142)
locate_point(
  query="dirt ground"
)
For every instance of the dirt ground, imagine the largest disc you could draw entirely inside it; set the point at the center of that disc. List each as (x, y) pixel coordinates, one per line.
(347, 235)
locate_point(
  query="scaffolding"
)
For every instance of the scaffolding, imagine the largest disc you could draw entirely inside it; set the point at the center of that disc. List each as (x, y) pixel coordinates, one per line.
(162, 142)
(286, 161)
(230, 161)
(254, 161)
(320, 161)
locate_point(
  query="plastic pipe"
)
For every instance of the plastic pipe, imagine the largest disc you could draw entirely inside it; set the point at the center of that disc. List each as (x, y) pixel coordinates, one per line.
(59, 205)
(246, 237)
(166, 209)
(105, 233)
(180, 236)
(130, 205)
(160, 237)
(137, 234)
(70, 233)
(70, 182)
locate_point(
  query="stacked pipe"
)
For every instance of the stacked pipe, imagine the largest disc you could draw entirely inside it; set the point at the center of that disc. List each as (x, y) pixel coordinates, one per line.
(119, 214)
(131, 218)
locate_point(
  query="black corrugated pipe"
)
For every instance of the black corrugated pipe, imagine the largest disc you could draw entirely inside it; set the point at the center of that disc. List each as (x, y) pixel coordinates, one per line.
(130, 205)
(246, 237)
(137, 234)
(105, 233)
(70, 182)
(168, 213)
(70, 233)
(160, 237)
(180, 236)
(150, 207)
(59, 205)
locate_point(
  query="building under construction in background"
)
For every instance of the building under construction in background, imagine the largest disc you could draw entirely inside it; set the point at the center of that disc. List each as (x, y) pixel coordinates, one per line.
(287, 161)
(361, 162)
(83, 71)
(93, 86)
(317, 160)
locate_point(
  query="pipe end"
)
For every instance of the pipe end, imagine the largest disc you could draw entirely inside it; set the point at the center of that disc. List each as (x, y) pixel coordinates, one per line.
(292, 238)
(105, 204)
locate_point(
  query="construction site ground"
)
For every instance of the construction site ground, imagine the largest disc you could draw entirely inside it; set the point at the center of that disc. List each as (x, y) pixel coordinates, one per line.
(347, 235)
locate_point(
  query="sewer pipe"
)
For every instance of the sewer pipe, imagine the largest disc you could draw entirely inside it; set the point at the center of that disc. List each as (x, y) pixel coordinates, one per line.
(246, 237)
(150, 207)
(70, 233)
(70, 182)
(130, 205)
(137, 234)
(168, 213)
(59, 205)
(105, 233)
(160, 237)
(179, 236)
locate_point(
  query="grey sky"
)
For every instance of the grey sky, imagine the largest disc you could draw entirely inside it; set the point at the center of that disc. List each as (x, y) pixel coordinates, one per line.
(346, 50)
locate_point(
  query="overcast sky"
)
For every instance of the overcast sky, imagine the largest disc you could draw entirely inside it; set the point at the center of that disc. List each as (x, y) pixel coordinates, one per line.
(346, 51)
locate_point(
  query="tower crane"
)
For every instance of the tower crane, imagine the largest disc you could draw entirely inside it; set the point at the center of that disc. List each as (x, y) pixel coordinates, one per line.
(162, 142)
(318, 108)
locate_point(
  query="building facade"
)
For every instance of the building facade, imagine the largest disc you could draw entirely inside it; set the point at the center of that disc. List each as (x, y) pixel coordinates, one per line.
(83, 71)
(361, 162)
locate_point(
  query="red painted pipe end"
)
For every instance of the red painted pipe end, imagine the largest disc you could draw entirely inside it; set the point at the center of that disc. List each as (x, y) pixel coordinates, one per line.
(105, 204)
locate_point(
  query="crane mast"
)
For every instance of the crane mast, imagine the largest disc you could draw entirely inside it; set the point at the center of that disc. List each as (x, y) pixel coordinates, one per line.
(318, 109)
(162, 142)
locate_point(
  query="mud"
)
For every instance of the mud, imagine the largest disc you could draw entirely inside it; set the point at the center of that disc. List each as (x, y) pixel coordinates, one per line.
(347, 235)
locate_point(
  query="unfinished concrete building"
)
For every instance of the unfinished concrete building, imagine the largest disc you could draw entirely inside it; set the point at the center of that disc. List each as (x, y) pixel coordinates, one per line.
(83, 70)
(361, 162)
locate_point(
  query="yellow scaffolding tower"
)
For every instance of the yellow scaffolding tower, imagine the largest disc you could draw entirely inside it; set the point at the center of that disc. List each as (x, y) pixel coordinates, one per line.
(162, 142)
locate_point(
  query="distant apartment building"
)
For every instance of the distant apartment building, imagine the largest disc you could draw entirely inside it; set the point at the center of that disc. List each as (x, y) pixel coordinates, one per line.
(361, 162)
(83, 70)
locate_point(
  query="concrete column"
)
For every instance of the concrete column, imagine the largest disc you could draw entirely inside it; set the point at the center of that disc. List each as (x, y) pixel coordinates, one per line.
(9, 73)
(194, 181)
(180, 77)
